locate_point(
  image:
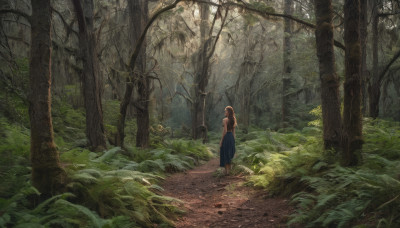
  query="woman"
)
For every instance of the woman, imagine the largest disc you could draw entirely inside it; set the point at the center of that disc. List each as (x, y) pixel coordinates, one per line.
(227, 144)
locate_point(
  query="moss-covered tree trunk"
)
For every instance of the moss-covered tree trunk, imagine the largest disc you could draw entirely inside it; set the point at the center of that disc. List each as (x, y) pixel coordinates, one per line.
(138, 17)
(287, 65)
(199, 128)
(330, 98)
(130, 80)
(247, 75)
(374, 89)
(202, 70)
(363, 41)
(139, 20)
(47, 175)
(90, 75)
(352, 117)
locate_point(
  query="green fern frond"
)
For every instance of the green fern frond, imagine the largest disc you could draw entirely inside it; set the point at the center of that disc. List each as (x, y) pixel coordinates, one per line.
(108, 154)
(47, 202)
(95, 220)
(84, 178)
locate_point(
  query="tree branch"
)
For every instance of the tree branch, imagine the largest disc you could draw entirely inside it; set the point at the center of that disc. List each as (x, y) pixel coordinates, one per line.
(183, 95)
(395, 57)
(387, 14)
(79, 15)
(139, 43)
(219, 33)
(70, 50)
(266, 14)
(66, 25)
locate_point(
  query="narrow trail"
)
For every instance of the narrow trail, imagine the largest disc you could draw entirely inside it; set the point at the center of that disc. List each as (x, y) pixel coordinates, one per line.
(212, 201)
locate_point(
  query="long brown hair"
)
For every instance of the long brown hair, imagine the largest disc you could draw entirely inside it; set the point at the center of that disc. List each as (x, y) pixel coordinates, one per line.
(231, 118)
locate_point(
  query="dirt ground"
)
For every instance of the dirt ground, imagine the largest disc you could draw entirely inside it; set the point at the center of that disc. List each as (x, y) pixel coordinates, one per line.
(212, 201)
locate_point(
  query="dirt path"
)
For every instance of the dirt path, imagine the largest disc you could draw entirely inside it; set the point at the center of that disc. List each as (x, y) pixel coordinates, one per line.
(223, 201)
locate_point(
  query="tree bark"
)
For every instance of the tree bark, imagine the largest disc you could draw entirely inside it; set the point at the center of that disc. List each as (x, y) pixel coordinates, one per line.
(352, 117)
(247, 75)
(130, 80)
(138, 13)
(363, 41)
(208, 43)
(287, 65)
(90, 76)
(374, 87)
(199, 129)
(47, 175)
(330, 97)
(139, 20)
(243, 86)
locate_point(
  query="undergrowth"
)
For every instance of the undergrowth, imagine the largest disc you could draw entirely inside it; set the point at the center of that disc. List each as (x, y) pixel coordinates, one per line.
(324, 193)
(116, 188)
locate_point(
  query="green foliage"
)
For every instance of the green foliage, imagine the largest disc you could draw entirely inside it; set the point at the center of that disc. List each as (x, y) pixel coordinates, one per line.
(118, 182)
(326, 194)
(249, 19)
(57, 211)
(68, 124)
(79, 158)
(123, 193)
(106, 189)
(158, 133)
(259, 5)
(317, 113)
(115, 188)
(13, 91)
(171, 156)
(14, 152)
(14, 139)
(191, 148)
(382, 138)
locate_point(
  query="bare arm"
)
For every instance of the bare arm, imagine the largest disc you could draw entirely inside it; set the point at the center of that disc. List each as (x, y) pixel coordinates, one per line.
(224, 122)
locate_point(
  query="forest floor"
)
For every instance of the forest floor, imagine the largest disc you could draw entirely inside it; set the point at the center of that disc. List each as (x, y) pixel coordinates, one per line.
(224, 201)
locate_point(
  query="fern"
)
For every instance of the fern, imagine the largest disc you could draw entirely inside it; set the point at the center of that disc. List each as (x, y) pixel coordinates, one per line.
(107, 154)
(326, 194)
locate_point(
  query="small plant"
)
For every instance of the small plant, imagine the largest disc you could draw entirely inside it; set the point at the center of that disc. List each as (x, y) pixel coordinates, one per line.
(326, 194)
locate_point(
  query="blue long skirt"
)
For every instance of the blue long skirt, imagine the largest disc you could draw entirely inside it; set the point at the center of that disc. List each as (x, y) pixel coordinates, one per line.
(227, 150)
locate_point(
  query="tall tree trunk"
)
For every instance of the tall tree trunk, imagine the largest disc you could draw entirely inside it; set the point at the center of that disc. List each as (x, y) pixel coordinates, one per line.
(374, 87)
(130, 80)
(247, 75)
(199, 129)
(198, 92)
(138, 16)
(287, 65)
(143, 82)
(90, 77)
(330, 98)
(363, 41)
(352, 117)
(243, 87)
(47, 175)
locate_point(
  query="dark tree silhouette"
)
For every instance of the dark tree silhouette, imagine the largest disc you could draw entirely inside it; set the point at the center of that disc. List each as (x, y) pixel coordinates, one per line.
(47, 175)
(287, 65)
(352, 117)
(90, 75)
(330, 98)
